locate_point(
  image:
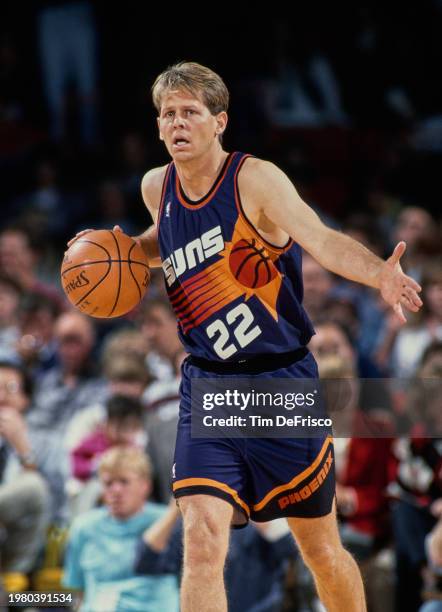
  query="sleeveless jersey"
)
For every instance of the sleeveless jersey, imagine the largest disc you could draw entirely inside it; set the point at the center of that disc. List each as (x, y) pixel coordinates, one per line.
(235, 295)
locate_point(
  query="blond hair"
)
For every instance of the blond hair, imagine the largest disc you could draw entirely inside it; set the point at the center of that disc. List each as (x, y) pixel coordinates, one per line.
(197, 80)
(121, 458)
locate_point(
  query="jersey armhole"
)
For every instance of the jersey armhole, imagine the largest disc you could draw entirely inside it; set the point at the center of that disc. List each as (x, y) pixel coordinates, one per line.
(163, 193)
(269, 245)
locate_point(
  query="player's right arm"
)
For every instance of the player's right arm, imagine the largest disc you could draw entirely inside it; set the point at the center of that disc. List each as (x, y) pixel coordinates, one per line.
(151, 188)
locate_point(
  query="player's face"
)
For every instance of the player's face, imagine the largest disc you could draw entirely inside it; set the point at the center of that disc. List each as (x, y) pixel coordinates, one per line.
(186, 125)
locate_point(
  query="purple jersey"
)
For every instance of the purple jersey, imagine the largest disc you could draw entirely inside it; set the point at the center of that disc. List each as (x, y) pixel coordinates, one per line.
(235, 295)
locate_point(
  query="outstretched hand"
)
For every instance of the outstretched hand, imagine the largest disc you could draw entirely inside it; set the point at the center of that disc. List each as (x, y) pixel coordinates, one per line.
(397, 288)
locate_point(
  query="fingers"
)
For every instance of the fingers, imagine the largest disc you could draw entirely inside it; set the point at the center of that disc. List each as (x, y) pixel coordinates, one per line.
(399, 250)
(410, 282)
(413, 298)
(117, 228)
(399, 312)
(79, 235)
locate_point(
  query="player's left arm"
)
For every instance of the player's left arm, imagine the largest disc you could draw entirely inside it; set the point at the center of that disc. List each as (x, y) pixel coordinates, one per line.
(272, 195)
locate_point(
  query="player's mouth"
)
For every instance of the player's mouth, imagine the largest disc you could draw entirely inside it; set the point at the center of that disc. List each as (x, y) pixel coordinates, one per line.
(180, 143)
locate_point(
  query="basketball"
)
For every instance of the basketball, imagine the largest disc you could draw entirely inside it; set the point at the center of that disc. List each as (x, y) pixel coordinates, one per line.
(250, 265)
(105, 274)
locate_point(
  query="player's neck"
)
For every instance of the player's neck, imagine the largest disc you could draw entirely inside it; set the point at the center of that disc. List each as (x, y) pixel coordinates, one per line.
(198, 175)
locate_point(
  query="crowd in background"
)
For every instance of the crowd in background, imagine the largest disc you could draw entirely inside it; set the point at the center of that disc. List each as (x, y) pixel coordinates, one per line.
(88, 407)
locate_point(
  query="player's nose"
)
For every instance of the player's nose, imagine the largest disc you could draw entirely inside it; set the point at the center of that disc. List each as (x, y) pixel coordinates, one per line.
(178, 120)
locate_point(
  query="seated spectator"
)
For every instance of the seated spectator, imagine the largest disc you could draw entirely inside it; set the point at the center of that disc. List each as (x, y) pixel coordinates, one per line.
(123, 427)
(418, 487)
(10, 296)
(101, 551)
(18, 260)
(159, 327)
(318, 285)
(332, 339)
(414, 226)
(404, 346)
(125, 373)
(258, 557)
(74, 382)
(24, 502)
(36, 346)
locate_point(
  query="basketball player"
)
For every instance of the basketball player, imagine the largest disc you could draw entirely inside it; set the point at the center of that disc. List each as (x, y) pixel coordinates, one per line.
(242, 316)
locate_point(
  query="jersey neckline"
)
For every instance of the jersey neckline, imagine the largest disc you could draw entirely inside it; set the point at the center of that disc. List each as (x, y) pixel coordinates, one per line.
(187, 202)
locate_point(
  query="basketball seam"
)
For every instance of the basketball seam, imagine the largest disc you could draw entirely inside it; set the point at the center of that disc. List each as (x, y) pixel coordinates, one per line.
(99, 261)
(95, 286)
(130, 270)
(119, 273)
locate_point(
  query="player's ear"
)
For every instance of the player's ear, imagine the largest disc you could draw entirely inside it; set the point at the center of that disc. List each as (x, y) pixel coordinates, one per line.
(159, 129)
(221, 123)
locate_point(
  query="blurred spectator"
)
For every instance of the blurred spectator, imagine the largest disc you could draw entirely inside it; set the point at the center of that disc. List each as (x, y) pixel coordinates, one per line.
(100, 556)
(125, 373)
(123, 427)
(18, 260)
(72, 384)
(162, 409)
(36, 345)
(24, 501)
(333, 338)
(364, 465)
(418, 486)
(417, 228)
(403, 346)
(10, 296)
(68, 50)
(318, 284)
(159, 327)
(123, 342)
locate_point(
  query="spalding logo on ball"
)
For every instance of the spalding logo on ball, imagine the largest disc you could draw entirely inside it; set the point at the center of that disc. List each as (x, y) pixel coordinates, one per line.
(105, 274)
(250, 265)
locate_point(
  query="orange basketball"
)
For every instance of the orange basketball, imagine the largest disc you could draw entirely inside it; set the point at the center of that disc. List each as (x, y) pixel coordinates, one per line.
(105, 274)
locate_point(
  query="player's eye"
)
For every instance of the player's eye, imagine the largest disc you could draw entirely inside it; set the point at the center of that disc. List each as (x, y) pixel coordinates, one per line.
(169, 114)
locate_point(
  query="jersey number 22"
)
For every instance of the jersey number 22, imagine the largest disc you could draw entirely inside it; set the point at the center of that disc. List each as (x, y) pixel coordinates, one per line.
(242, 332)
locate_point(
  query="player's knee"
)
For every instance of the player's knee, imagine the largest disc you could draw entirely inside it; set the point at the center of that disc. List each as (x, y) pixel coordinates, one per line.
(323, 558)
(205, 540)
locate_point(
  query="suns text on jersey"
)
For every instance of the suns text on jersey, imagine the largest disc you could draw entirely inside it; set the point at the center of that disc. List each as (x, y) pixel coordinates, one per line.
(193, 253)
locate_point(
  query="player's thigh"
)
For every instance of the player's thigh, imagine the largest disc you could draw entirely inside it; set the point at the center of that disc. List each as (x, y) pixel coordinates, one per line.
(317, 538)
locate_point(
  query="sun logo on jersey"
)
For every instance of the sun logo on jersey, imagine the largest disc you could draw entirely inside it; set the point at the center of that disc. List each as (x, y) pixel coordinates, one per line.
(251, 267)
(244, 268)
